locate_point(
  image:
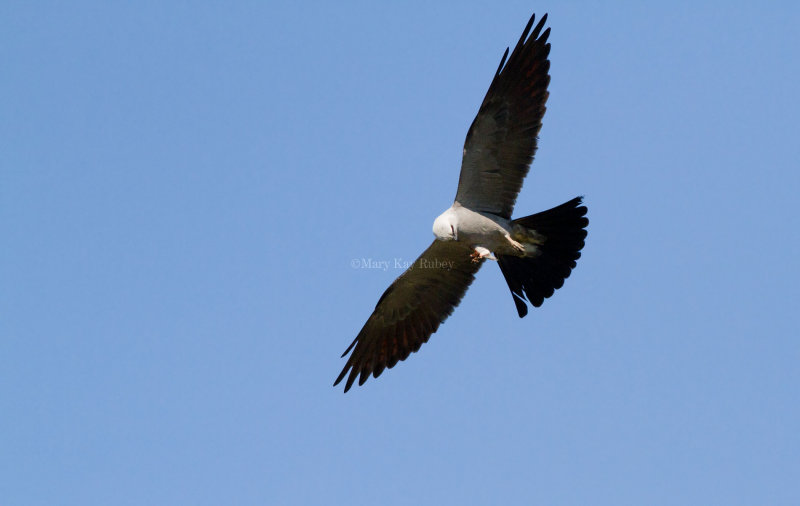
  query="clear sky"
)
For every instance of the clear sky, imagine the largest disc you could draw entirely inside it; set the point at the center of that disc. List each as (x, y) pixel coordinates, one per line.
(184, 188)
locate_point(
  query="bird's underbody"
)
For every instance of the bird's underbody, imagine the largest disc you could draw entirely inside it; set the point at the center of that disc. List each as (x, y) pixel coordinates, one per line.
(487, 234)
(535, 253)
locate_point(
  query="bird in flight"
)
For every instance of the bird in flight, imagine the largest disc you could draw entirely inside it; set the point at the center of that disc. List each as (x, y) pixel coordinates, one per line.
(535, 253)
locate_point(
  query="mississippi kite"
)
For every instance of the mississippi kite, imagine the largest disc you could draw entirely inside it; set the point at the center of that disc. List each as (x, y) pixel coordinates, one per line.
(535, 253)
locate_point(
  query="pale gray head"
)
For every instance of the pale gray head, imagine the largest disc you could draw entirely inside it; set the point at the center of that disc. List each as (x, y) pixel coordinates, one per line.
(445, 227)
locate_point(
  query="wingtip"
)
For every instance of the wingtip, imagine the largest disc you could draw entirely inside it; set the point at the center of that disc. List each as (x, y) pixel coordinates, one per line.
(536, 30)
(350, 379)
(341, 376)
(530, 22)
(350, 347)
(502, 62)
(527, 30)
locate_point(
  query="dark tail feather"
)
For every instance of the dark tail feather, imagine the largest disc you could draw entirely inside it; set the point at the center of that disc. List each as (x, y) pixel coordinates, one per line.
(536, 278)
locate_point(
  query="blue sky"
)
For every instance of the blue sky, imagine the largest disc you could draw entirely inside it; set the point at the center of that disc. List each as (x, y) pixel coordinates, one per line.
(184, 188)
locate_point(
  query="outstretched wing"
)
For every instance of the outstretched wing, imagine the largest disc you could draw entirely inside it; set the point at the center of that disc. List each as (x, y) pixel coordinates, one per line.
(502, 139)
(410, 310)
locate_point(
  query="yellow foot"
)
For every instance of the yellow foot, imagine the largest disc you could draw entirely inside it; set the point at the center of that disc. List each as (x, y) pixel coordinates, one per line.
(481, 253)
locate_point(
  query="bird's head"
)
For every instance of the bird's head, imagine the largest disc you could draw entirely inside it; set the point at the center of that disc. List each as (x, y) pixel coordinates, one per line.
(445, 227)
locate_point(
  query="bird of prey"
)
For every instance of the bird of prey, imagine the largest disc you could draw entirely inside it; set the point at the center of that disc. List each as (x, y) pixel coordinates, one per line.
(535, 253)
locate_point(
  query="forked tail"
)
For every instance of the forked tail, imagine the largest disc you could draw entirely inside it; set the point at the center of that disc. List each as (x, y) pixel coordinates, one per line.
(535, 278)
